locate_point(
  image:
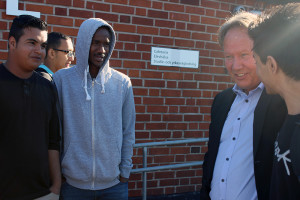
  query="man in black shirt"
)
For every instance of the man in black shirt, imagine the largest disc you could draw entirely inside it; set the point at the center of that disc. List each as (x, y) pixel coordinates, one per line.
(276, 51)
(29, 125)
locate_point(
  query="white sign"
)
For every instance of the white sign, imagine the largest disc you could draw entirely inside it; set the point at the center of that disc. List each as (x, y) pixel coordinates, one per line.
(174, 57)
(12, 8)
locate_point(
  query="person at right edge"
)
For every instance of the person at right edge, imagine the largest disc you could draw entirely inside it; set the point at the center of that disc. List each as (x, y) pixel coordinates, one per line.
(98, 119)
(276, 51)
(244, 123)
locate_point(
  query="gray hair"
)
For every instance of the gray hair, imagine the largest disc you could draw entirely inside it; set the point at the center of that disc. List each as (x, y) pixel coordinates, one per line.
(241, 19)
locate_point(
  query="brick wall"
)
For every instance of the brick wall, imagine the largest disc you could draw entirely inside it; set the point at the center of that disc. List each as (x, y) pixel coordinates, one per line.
(171, 102)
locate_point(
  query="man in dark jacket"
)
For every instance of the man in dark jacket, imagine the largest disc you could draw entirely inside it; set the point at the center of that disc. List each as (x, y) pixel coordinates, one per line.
(29, 125)
(244, 124)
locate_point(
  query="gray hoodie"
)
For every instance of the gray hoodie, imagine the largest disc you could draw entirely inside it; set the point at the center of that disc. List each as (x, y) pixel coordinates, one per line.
(98, 118)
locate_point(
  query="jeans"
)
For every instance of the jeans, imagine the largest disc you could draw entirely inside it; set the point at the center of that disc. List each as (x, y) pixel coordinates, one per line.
(116, 192)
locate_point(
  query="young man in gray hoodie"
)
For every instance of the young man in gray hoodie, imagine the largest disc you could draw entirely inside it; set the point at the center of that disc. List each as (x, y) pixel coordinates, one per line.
(98, 119)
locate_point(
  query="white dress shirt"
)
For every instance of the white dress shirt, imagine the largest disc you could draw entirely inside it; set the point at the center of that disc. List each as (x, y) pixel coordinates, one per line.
(233, 177)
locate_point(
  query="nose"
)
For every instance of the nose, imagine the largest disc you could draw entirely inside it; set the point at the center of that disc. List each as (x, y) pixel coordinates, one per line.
(236, 64)
(71, 58)
(101, 49)
(39, 49)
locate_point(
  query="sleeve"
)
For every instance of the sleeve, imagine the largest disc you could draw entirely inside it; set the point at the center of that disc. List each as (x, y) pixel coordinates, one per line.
(54, 127)
(206, 177)
(128, 126)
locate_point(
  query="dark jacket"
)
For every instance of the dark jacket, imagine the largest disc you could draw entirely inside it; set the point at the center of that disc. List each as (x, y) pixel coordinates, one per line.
(269, 115)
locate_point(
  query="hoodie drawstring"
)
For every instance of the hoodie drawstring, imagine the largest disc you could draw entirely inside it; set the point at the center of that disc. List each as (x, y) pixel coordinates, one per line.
(102, 83)
(88, 97)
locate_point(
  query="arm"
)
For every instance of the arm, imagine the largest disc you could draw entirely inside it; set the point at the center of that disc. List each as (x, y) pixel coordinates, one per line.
(128, 124)
(54, 168)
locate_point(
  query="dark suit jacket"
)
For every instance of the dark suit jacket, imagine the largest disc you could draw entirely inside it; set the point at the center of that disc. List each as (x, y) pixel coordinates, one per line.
(269, 115)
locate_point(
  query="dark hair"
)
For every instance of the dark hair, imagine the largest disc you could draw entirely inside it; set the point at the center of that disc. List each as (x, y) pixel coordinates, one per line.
(276, 33)
(241, 19)
(54, 40)
(25, 21)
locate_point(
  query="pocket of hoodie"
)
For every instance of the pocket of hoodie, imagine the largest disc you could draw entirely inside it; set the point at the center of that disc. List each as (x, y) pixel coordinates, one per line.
(76, 163)
(107, 168)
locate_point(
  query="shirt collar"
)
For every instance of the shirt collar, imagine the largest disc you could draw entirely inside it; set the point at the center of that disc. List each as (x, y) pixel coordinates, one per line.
(47, 69)
(236, 89)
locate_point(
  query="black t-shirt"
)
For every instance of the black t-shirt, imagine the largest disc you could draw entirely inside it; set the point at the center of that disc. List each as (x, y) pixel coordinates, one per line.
(29, 127)
(285, 184)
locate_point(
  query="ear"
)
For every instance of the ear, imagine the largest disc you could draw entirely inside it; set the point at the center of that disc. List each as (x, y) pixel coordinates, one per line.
(272, 64)
(51, 53)
(12, 43)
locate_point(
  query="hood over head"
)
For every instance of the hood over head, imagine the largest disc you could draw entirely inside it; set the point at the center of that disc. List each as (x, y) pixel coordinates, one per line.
(84, 38)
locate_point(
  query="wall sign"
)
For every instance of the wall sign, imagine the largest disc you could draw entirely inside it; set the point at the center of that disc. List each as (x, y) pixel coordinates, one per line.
(12, 8)
(174, 57)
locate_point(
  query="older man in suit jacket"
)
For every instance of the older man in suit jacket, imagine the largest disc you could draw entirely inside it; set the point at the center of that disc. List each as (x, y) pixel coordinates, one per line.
(244, 124)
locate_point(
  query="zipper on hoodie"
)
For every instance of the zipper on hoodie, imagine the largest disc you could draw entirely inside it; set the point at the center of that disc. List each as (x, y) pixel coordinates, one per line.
(93, 134)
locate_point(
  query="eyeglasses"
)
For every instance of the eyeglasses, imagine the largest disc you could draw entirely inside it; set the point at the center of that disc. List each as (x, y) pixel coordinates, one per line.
(70, 53)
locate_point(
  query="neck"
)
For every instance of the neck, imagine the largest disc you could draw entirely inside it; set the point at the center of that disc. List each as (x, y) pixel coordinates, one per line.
(16, 70)
(50, 65)
(291, 94)
(94, 71)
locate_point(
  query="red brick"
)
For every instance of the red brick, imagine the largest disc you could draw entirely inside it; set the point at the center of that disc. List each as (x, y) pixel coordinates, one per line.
(189, 109)
(171, 93)
(40, 8)
(133, 64)
(180, 150)
(164, 23)
(4, 25)
(140, 3)
(159, 151)
(137, 82)
(171, 84)
(184, 43)
(172, 118)
(154, 92)
(156, 134)
(187, 84)
(125, 28)
(152, 101)
(78, 3)
(107, 16)
(128, 37)
(98, 6)
(173, 109)
(154, 83)
(210, 4)
(201, 36)
(59, 2)
(67, 31)
(194, 10)
(165, 41)
(174, 7)
(173, 75)
(158, 14)
(190, 2)
(130, 55)
(140, 11)
(168, 182)
(143, 47)
(183, 189)
(155, 126)
(3, 55)
(179, 16)
(155, 191)
(80, 13)
(164, 174)
(3, 45)
(164, 32)
(147, 30)
(151, 74)
(156, 117)
(222, 78)
(60, 21)
(177, 126)
(195, 18)
(140, 91)
(117, 1)
(181, 25)
(196, 27)
(122, 9)
(157, 5)
(193, 118)
(175, 101)
(181, 34)
(191, 93)
(159, 109)
(210, 12)
(142, 21)
(164, 159)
